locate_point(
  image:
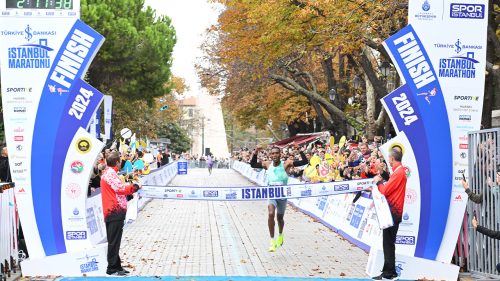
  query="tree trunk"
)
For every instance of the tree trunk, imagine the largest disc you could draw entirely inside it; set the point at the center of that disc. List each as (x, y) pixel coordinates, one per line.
(371, 100)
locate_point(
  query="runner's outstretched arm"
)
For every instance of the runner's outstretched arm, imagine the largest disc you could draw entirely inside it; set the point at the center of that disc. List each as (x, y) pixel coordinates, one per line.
(303, 161)
(253, 161)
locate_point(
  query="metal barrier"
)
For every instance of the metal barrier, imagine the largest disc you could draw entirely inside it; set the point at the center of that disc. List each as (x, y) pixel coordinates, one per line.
(203, 164)
(8, 231)
(483, 252)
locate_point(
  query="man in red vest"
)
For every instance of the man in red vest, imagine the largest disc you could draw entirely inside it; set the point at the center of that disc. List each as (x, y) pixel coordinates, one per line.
(114, 205)
(394, 191)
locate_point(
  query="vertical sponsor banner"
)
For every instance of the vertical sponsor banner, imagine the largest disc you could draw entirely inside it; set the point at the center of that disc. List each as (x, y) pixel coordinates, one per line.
(454, 35)
(418, 109)
(407, 237)
(94, 126)
(66, 105)
(78, 165)
(108, 116)
(28, 48)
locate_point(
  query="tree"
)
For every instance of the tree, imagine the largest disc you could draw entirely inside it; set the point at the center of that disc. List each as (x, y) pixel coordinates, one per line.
(134, 63)
(180, 141)
(309, 48)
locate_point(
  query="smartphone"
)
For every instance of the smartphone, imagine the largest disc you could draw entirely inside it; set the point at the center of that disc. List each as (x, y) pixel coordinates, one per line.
(463, 177)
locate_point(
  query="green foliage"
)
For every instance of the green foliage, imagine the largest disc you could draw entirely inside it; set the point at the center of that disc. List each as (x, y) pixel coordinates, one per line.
(178, 136)
(136, 58)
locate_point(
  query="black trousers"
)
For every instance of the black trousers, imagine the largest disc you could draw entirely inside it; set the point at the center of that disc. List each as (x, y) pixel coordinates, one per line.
(114, 231)
(389, 246)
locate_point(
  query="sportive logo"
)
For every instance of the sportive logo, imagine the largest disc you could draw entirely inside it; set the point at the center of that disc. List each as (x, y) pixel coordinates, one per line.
(19, 90)
(463, 146)
(458, 198)
(467, 98)
(76, 212)
(76, 167)
(18, 138)
(463, 155)
(467, 11)
(83, 145)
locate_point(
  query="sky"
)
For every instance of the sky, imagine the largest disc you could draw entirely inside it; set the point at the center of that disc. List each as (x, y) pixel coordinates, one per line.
(190, 18)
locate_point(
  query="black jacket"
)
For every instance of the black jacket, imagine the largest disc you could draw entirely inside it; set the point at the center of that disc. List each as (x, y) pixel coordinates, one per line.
(488, 232)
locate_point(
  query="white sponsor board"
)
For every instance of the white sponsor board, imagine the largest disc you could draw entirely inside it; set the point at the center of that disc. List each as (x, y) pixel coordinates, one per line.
(454, 35)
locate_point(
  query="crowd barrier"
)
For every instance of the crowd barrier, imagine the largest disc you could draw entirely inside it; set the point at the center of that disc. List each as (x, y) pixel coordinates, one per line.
(8, 231)
(356, 222)
(483, 252)
(203, 164)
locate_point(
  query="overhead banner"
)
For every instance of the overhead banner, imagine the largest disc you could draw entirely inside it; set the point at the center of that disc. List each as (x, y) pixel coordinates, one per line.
(108, 116)
(255, 192)
(441, 59)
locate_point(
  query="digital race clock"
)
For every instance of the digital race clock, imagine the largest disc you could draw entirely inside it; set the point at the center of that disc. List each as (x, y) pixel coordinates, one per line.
(40, 4)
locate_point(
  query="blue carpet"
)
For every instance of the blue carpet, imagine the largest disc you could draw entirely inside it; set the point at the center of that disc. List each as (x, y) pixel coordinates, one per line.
(206, 278)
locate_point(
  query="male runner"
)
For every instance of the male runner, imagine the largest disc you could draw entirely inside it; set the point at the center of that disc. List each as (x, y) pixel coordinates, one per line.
(277, 174)
(210, 163)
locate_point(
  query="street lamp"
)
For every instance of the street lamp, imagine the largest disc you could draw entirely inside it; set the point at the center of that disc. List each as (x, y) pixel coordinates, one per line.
(331, 94)
(385, 68)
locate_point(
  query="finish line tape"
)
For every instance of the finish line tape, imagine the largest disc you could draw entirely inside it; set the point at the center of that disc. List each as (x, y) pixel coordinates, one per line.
(249, 193)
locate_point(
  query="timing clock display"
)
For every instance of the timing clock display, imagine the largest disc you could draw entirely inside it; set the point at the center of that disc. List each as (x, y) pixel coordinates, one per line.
(40, 4)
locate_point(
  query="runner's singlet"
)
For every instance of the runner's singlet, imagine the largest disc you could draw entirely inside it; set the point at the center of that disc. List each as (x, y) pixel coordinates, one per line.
(277, 175)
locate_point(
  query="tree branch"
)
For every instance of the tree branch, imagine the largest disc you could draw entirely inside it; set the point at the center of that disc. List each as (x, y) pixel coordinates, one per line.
(330, 108)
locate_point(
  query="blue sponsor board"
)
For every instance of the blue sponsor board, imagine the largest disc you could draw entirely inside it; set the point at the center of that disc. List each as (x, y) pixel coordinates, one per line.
(51, 138)
(76, 235)
(357, 215)
(418, 109)
(405, 240)
(210, 193)
(467, 11)
(341, 187)
(182, 167)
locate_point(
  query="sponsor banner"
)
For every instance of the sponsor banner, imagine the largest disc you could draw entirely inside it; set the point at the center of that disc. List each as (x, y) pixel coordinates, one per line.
(75, 176)
(459, 59)
(418, 108)
(408, 228)
(66, 101)
(108, 116)
(95, 219)
(28, 48)
(255, 192)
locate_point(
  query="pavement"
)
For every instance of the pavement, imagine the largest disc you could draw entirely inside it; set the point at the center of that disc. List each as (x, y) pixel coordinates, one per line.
(202, 238)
